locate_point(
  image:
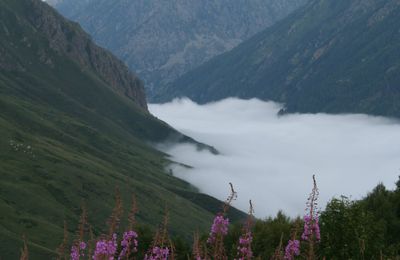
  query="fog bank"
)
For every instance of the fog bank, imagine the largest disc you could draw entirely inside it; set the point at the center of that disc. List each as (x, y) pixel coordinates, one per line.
(271, 159)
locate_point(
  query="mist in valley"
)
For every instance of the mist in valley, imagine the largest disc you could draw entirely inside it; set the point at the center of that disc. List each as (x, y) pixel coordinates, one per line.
(271, 159)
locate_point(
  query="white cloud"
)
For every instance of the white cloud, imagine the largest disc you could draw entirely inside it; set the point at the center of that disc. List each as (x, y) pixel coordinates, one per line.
(271, 159)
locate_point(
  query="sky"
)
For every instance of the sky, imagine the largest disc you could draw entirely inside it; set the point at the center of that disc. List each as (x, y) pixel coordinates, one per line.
(271, 159)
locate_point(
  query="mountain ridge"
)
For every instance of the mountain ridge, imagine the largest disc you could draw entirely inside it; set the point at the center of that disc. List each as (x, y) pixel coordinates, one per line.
(70, 40)
(328, 56)
(162, 40)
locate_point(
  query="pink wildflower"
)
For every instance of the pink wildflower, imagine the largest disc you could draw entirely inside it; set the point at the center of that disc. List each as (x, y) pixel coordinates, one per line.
(76, 250)
(106, 249)
(292, 249)
(129, 243)
(158, 253)
(218, 228)
(311, 225)
(244, 248)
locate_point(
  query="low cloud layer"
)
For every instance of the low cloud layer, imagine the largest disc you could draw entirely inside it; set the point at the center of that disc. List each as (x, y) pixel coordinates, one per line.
(271, 159)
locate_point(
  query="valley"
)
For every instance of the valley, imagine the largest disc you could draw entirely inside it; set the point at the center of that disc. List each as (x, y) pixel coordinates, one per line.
(270, 158)
(157, 130)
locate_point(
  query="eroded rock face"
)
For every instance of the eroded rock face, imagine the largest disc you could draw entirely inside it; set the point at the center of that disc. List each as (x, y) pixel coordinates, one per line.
(161, 40)
(69, 39)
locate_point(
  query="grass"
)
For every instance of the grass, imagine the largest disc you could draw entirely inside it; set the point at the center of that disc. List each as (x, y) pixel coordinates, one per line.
(84, 138)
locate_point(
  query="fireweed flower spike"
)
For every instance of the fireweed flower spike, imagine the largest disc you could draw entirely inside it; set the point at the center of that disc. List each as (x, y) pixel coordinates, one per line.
(311, 232)
(219, 228)
(293, 247)
(129, 243)
(159, 251)
(77, 249)
(244, 249)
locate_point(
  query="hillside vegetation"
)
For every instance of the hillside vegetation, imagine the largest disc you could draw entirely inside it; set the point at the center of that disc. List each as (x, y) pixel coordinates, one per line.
(333, 56)
(73, 126)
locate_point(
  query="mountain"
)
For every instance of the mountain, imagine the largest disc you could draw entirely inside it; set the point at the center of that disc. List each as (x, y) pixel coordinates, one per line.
(74, 126)
(333, 56)
(161, 40)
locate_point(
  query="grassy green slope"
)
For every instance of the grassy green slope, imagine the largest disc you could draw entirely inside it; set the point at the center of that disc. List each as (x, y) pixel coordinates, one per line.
(66, 137)
(329, 56)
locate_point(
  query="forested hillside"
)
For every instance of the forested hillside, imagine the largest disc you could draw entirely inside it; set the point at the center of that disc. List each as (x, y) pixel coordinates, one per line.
(328, 56)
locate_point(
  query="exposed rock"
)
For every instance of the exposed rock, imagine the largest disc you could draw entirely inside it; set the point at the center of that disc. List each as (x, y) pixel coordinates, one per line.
(67, 38)
(161, 40)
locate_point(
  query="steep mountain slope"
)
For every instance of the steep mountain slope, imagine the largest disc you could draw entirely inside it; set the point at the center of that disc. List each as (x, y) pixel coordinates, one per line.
(161, 40)
(73, 126)
(330, 56)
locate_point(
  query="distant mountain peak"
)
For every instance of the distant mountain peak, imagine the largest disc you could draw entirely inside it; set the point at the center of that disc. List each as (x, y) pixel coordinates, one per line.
(162, 40)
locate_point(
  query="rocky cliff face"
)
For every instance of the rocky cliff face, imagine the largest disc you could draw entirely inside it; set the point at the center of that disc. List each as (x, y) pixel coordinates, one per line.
(69, 39)
(161, 40)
